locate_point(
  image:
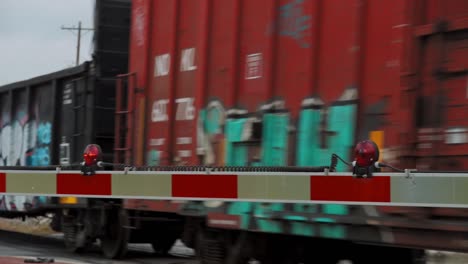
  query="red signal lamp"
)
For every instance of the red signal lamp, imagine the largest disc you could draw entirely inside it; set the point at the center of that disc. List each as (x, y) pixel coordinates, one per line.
(92, 154)
(366, 157)
(92, 158)
(366, 153)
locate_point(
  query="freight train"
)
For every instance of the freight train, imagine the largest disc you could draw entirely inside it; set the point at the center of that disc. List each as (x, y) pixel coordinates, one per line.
(251, 84)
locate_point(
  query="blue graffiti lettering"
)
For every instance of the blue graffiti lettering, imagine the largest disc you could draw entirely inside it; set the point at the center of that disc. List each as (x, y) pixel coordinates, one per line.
(294, 23)
(44, 132)
(42, 156)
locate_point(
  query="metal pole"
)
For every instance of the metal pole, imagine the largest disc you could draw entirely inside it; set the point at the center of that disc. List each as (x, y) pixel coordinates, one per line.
(78, 44)
(79, 28)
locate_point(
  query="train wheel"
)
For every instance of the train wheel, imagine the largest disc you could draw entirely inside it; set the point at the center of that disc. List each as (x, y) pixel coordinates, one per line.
(165, 235)
(210, 247)
(162, 245)
(75, 231)
(115, 239)
(238, 252)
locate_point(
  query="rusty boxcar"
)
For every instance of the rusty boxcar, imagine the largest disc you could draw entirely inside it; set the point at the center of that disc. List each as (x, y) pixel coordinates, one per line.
(215, 78)
(289, 82)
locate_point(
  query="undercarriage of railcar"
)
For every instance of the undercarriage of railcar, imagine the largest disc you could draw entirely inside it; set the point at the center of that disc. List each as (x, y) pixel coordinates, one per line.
(114, 227)
(223, 247)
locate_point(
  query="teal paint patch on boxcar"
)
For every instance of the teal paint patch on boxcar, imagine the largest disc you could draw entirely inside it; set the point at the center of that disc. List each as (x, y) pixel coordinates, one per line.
(302, 229)
(153, 158)
(305, 208)
(270, 226)
(307, 137)
(276, 218)
(236, 155)
(275, 139)
(342, 122)
(324, 220)
(274, 142)
(333, 231)
(212, 120)
(266, 210)
(243, 210)
(335, 209)
(338, 135)
(295, 217)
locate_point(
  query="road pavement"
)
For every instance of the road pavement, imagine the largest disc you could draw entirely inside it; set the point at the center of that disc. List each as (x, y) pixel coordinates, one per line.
(31, 247)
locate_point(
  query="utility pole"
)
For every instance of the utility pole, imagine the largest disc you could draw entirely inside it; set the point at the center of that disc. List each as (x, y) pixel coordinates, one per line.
(79, 28)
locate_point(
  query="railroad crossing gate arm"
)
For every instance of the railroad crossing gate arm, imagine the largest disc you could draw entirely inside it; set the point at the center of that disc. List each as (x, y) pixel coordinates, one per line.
(402, 189)
(364, 185)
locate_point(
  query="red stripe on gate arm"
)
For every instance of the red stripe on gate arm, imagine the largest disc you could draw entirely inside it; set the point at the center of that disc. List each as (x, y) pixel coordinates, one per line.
(347, 188)
(204, 186)
(2, 182)
(75, 183)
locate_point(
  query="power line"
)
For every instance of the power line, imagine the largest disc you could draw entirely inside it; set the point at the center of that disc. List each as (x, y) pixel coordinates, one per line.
(79, 28)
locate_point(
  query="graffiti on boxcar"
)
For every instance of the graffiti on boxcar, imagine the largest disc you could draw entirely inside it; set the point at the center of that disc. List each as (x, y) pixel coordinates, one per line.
(267, 137)
(13, 144)
(258, 139)
(5, 144)
(26, 143)
(18, 203)
(25, 139)
(289, 218)
(294, 22)
(41, 153)
(210, 133)
(264, 138)
(326, 129)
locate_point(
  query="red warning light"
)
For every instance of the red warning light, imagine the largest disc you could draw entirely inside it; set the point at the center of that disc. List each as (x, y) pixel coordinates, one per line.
(366, 153)
(92, 154)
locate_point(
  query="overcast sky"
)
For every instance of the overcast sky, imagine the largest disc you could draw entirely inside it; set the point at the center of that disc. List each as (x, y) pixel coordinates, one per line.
(32, 42)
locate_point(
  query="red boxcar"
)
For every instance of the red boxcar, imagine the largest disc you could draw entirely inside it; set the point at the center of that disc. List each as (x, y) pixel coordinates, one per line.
(276, 82)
